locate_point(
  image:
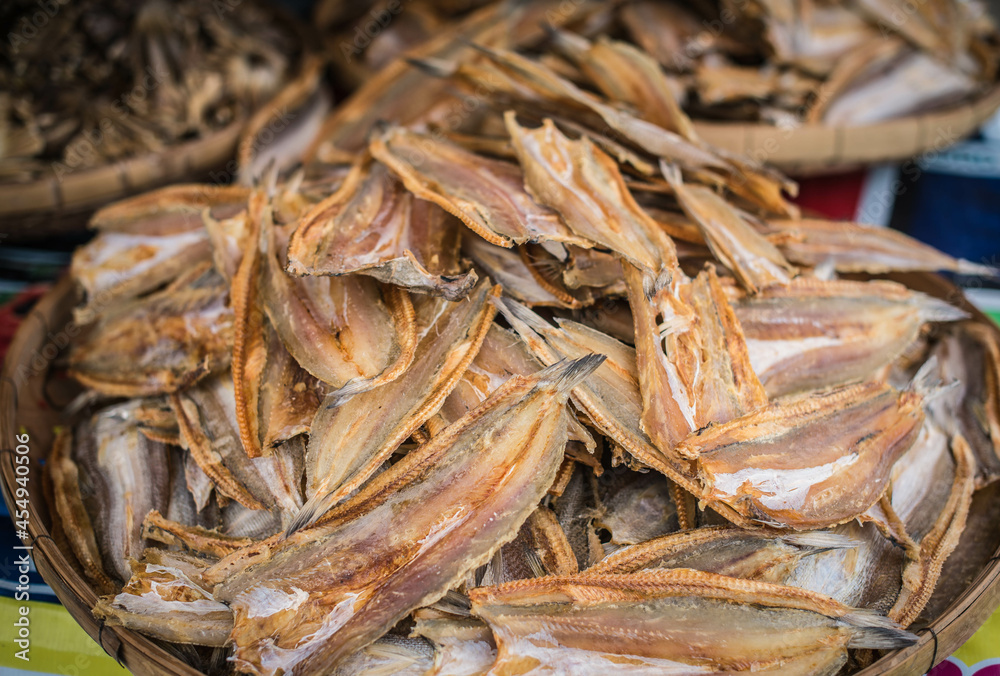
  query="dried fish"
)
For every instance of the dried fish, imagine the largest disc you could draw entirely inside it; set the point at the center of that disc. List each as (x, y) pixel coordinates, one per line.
(160, 343)
(122, 477)
(193, 539)
(846, 330)
(811, 461)
(163, 602)
(585, 186)
(347, 444)
(320, 320)
(638, 509)
(501, 483)
(750, 555)
(673, 621)
(462, 647)
(371, 225)
(693, 365)
(487, 195)
(853, 247)
(754, 260)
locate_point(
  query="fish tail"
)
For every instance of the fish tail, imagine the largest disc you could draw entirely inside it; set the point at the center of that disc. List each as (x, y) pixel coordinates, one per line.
(876, 631)
(518, 314)
(315, 507)
(964, 267)
(936, 310)
(568, 374)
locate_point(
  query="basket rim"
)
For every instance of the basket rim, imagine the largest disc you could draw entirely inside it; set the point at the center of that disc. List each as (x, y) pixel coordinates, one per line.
(817, 148)
(134, 650)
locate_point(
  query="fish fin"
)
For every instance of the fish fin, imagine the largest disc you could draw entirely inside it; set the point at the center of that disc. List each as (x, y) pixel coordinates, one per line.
(876, 631)
(824, 540)
(519, 315)
(344, 394)
(568, 374)
(671, 172)
(927, 384)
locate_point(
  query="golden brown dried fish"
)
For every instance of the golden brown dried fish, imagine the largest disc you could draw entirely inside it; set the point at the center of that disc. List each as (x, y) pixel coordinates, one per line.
(754, 260)
(853, 247)
(628, 75)
(193, 539)
(160, 343)
(751, 555)
(372, 226)
(163, 602)
(508, 268)
(811, 461)
(968, 358)
(672, 621)
(693, 365)
(340, 329)
(487, 195)
(584, 185)
(846, 330)
(347, 443)
(504, 454)
(635, 508)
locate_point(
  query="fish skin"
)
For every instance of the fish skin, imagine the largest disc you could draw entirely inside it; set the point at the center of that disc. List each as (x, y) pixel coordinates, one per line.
(462, 646)
(584, 185)
(508, 269)
(347, 443)
(163, 602)
(847, 438)
(371, 594)
(637, 511)
(160, 343)
(372, 226)
(174, 208)
(848, 330)
(487, 195)
(671, 619)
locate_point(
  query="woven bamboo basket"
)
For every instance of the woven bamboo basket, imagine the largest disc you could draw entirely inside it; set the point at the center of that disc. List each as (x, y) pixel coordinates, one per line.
(820, 149)
(33, 392)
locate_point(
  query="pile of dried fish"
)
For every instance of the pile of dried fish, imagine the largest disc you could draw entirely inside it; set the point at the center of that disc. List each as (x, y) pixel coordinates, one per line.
(788, 63)
(91, 82)
(542, 385)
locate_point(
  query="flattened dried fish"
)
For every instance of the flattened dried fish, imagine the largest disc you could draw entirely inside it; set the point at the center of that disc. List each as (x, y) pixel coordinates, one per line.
(324, 592)
(968, 355)
(853, 247)
(372, 226)
(123, 476)
(750, 555)
(173, 209)
(693, 365)
(507, 268)
(340, 329)
(76, 523)
(672, 622)
(160, 343)
(488, 195)
(462, 646)
(753, 259)
(163, 602)
(846, 330)
(626, 74)
(117, 266)
(584, 185)
(811, 461)
(349, 441)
